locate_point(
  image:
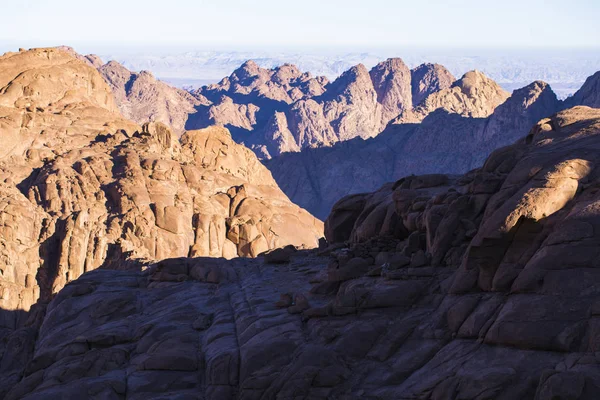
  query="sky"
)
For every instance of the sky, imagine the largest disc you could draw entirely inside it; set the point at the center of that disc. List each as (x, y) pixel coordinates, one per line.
(303, 23)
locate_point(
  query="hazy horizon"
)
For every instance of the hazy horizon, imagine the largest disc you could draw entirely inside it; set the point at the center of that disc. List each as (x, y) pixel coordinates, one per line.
(191, 67)
(192, 43)
(355, 24)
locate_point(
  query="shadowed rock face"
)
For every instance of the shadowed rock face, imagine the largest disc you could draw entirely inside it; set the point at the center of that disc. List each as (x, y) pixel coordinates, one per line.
(588, 95)
(275, 111)
(83, 188)
(475, 286)
(443, 142)
(427, 79)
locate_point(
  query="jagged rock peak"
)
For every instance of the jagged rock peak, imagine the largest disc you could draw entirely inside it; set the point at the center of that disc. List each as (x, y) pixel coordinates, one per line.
(356, 76)
(391, 64)
(588, 94)
(284, 74)
(392, 82)
(116, 74)
(528, 95)
(429, 78)
(473, 95)
(247, 70)
(475, 83)
(143, 98)
(353, 73)
(513, 118)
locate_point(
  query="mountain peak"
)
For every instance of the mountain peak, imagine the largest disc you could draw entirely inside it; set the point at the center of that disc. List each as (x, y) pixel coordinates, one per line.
(588, 94)
(474, 83)
(427, 79)
(247, 70)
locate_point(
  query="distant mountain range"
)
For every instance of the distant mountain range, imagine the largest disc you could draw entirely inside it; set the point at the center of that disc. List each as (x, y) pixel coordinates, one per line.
(565, 70)
(327, 139)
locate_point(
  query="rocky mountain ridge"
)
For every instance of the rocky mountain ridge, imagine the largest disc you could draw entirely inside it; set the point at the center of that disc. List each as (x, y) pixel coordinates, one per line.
(280, 110)
(443, 141)
(474, 95)
(565, 69)
(141, 97)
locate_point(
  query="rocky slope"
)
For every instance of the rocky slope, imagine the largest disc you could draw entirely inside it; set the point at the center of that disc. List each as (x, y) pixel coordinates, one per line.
(473, 95)
(141, 97)
(281, 110)
(83, 188)
(480, 286)
(443, 142)
(589, 94)
(427, 79)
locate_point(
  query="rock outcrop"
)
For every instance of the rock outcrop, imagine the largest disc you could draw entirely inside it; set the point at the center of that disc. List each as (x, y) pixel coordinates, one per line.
(479, 286)
(143, 98)
(392, 81)
(83, 188)
(474, 95)
(588, 95)
(443, 142)
(427, 79)
(281, 110)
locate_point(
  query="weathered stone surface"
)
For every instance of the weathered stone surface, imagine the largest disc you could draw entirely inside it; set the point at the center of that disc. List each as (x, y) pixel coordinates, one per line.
(141, 97)
(428, 79)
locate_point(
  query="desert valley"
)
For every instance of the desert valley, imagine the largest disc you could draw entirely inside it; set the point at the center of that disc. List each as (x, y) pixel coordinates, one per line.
(393, 232)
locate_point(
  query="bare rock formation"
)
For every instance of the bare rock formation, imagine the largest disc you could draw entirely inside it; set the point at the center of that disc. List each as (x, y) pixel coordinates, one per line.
(351, 105)
(518, 113)
(480, 286)
(474, 95)
(588, 94)
(82, 188)
(143, 98)
(392, 82)
(42, 115)
(427, 79)
(91, 59)
(282, 84)
(443, 142)
(275, 111)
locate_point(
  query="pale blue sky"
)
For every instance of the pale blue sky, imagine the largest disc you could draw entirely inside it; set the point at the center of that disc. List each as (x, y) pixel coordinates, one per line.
(322, 23)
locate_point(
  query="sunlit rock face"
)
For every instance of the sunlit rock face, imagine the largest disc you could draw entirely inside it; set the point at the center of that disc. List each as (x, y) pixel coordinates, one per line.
(84, 188)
